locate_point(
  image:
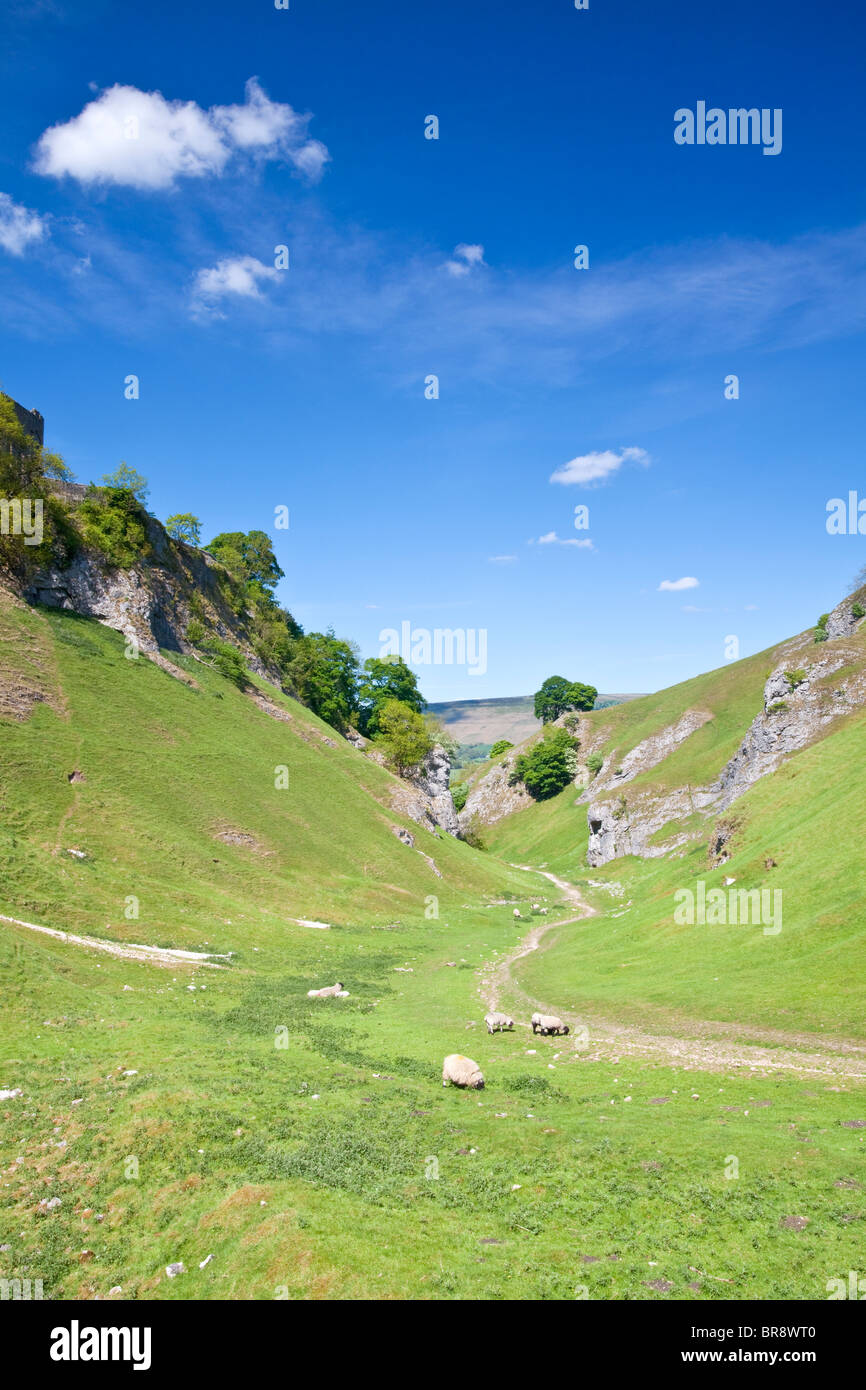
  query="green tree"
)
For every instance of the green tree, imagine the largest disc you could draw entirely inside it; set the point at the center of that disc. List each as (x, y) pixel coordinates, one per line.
(250, 558)
(128, 480)
(383, 679)
(501, 745)
(403, 736)
(323, 673)
(549, 765)
(183, 526)
(558, 695)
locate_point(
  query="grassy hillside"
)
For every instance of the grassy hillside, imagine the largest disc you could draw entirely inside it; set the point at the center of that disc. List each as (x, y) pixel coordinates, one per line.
(797, 832)
(170, 774)
(308, 1145)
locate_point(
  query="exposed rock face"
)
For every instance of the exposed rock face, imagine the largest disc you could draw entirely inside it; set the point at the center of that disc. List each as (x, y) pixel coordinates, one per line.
(150, 603)
(800, 701)
(426, 798)
(619, 826)
(432, 781)
(492, 797)
(791, 719)
(651, 751)
(842, 622)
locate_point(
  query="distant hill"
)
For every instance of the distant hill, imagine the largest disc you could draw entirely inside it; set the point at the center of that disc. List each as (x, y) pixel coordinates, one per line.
(511, 717)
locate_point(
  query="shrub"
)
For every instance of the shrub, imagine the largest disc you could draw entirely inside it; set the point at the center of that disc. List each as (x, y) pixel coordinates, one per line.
(473, 834)
(777, 707)
(227, 660)
(548, 766)
(459, 795)
(858, 611)
(794, 678)
(113, 521)
(501, 745)
(195, 632)
(595, 762)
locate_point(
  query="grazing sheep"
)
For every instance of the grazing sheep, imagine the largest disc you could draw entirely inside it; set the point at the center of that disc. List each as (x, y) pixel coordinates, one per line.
(498, 1023)
(548, 1023)
(330, 992)
(462, 1071)
(517, 912)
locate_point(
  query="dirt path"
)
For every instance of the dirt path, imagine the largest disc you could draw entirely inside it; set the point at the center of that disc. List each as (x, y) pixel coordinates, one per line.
(705, 1045)
(155, 955)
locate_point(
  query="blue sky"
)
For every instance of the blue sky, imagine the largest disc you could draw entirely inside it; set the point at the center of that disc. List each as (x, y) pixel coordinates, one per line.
(137, 236)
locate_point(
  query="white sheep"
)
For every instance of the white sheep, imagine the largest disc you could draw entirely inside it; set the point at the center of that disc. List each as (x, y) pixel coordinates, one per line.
(548, 1023)
(462, 1071)
(498, 1023)
(517, 913)
(329, 992)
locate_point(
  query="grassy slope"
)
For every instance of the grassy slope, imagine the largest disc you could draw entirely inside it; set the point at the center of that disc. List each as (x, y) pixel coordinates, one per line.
(312, 1168)
(167, 768)
(809, 817)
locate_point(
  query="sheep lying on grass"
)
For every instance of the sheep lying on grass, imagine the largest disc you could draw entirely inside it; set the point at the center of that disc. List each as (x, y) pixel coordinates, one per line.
(548, 1023)
(462, 1071)
(498, 1023)
(329, 992)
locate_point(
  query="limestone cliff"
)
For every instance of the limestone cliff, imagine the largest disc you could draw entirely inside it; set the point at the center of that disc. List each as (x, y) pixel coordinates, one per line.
(813, 685)
(153, 602)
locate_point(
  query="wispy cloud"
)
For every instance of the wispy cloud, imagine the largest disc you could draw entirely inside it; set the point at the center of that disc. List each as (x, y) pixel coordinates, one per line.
(141, 140)
(596, 467)
(502, 560)
(673, 586)
(19, 226)
(551, 538)
(464, 258)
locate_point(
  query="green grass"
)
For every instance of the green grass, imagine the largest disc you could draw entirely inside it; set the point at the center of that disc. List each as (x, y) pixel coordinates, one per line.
(336, 1166)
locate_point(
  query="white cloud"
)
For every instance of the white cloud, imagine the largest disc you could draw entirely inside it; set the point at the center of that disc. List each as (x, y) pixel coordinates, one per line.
(235, 275)
(674, 585)
(551, 538)
(19, 226)
(502, 560)
(466, 257)
(595, 467)
(140, 140)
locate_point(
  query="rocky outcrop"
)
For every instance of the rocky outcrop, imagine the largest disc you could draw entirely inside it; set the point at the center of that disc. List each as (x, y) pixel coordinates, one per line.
(623, 825)
(801, 700)
(843, 620)
(796, 712)
(493, 797)
(432, 782)
(650, 751)
(153, 602)
(425, 797)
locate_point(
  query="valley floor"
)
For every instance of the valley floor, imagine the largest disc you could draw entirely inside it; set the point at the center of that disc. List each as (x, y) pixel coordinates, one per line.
(310, 1148)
